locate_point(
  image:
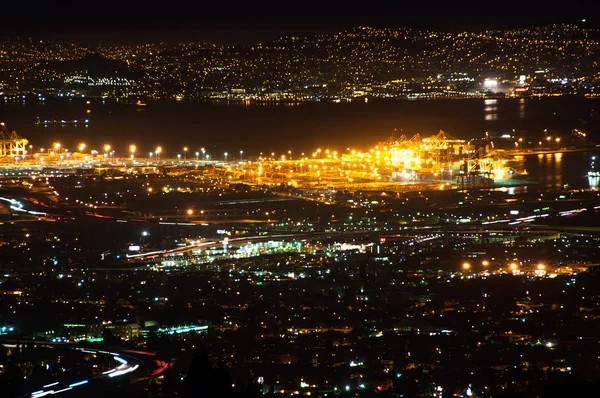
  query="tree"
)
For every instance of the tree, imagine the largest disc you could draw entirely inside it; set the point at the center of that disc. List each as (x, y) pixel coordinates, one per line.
(205, 381)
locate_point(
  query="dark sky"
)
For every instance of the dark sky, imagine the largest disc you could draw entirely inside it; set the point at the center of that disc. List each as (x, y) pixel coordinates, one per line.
(248, 21)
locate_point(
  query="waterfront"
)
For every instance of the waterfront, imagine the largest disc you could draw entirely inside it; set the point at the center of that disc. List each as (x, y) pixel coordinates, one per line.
(305, 127)
(302, 127)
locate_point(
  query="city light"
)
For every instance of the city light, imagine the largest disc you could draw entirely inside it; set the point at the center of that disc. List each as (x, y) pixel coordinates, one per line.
(490, 83)
(402, 259)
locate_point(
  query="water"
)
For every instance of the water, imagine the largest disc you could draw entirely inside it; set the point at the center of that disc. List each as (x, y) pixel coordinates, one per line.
(278, 128)
(560, 170)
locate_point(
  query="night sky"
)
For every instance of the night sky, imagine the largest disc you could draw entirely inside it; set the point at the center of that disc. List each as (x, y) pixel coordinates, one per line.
(232, 22)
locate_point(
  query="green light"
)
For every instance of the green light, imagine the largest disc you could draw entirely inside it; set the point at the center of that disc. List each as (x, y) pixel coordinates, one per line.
(182, 329)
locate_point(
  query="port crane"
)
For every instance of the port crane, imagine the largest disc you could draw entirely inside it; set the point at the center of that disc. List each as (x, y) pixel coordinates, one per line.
(11, 145)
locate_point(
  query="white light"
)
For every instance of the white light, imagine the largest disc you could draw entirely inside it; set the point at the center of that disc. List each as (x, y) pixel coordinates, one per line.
(122, 372)
(78, 383)
(51, 384)
(489, 83)
(42, 394)
(119, 359)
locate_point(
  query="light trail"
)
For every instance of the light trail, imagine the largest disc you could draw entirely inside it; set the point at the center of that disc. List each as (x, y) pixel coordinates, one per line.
(122, 369)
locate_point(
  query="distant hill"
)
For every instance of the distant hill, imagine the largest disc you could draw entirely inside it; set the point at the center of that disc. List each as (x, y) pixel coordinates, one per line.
(94, 65)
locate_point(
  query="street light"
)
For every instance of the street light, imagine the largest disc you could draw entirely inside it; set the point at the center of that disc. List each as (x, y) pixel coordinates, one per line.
(158, 150)
(225, 156)
(81, 147)
(185, 149)
(241, 155)
(197, 156)
(132, 149)
(466, 266)
(106, 148)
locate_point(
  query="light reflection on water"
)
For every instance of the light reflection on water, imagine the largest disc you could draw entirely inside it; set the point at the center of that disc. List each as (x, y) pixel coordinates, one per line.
(491, 109)
(560, 170)
(522, 108)
(550, 170)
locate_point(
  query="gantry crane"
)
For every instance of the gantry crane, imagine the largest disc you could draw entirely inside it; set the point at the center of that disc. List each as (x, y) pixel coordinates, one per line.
(11, 145)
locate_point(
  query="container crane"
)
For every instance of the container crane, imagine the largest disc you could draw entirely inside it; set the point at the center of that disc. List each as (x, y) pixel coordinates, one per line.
(11, 145)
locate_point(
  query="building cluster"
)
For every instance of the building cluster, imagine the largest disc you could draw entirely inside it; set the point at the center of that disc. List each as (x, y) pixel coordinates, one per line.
(363, 62)
(305, 291)
(334, 323)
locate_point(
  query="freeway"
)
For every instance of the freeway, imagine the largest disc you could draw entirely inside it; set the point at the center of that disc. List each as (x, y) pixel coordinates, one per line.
(202, 245)
(130, 368)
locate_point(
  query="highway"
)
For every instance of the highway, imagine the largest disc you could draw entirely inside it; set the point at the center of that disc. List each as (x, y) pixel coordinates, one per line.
(153, 255)
(130, 368)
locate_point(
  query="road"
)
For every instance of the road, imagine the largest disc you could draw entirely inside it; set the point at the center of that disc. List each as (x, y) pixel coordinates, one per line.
(131, 368)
